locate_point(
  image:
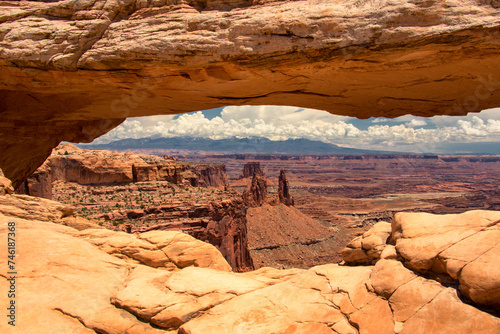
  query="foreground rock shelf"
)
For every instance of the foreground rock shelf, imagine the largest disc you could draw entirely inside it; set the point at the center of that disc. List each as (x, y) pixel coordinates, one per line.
(73, 70)
(96, 280)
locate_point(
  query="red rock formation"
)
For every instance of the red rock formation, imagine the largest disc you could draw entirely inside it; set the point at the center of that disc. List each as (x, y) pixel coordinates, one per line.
(228, 232)
(251, 168)
(159, 171)
(65, 86)
(70, 163)
(222, 224)
(256, 194)
(283, 190)
(5, 184)
(209, 176)
(39, 184)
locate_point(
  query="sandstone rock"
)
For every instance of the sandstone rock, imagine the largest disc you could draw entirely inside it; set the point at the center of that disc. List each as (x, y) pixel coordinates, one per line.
(210, 176)
(283, 190)
(39, 183)
(227, 230)
(90, 167)
(35, 208)
(421, 305)
(256, 194)
(457, 246)
(74, 70)
(250, 169)
(79, 223)
(158, 249)
(5, 185)
(368, 248)
(65, 284)
(69, 285)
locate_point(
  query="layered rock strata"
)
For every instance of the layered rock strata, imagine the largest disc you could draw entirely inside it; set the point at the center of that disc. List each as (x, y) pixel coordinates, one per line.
(222, 224)
(256, 194)
(72, 164)
(250, 169)
(74, 70)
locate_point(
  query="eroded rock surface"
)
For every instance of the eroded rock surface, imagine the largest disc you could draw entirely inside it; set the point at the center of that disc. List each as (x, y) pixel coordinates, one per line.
(250, 169)
(5, 185)
(72, 164)
(73, 70)
(157, 249)
(456, 246)
(256, 194)
(369, 247)
(68, 281)
(284, 195)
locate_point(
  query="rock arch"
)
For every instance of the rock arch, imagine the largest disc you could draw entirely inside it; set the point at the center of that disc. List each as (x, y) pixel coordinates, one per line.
(74, 70)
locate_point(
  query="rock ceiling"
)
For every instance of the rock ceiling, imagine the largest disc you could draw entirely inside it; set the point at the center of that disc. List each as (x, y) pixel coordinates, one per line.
(73, 70)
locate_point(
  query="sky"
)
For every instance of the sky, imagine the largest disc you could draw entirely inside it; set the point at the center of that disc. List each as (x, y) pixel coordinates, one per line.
(474, 133)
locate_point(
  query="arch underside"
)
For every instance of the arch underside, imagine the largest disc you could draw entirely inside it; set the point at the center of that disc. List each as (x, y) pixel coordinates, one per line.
(72, 74)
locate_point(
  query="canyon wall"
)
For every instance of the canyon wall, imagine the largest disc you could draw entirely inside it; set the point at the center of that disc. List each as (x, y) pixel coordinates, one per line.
(72, 164)
(73, 70)
(220, 223)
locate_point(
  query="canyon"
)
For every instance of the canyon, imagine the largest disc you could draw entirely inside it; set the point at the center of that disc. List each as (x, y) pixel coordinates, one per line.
(423, 273)
(71, 71)
(137, 193)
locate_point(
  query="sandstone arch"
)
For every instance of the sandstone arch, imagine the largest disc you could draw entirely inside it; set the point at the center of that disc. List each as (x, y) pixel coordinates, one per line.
(74, 70)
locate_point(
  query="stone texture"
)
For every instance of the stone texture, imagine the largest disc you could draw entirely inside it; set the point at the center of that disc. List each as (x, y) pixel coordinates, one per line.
(90, 167)
(284, 190)
(36, 208)
(5, 185)
(256, 194)
(250, 169)
(74, 70)
(456, 246)
(64, 284)
(67, 283)
(157, 249)
(368, 248)
(421, 305)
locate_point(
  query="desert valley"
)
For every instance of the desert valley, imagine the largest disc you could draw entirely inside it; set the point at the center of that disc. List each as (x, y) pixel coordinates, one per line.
(253, 211)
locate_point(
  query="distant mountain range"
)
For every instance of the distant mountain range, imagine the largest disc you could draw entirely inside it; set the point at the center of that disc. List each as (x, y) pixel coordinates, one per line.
(255, 145)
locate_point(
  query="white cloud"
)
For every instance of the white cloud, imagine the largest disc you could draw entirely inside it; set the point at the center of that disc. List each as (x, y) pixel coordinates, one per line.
(279, 123)
(416, 122)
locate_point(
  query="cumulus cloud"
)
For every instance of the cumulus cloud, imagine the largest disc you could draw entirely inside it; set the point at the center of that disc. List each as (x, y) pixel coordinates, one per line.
(416, 122)
(280, 123)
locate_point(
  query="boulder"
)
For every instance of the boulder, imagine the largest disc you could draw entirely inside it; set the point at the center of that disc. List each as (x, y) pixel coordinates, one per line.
(68, 283)
(368, 248)
(456, 246)
(5, 185)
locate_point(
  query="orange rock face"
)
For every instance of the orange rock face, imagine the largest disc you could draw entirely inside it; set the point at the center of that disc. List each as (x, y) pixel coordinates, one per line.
(74, 70)
(167, 282)
(72, 164)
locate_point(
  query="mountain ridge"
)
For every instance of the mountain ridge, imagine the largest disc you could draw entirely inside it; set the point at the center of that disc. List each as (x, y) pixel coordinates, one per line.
(257, 145)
